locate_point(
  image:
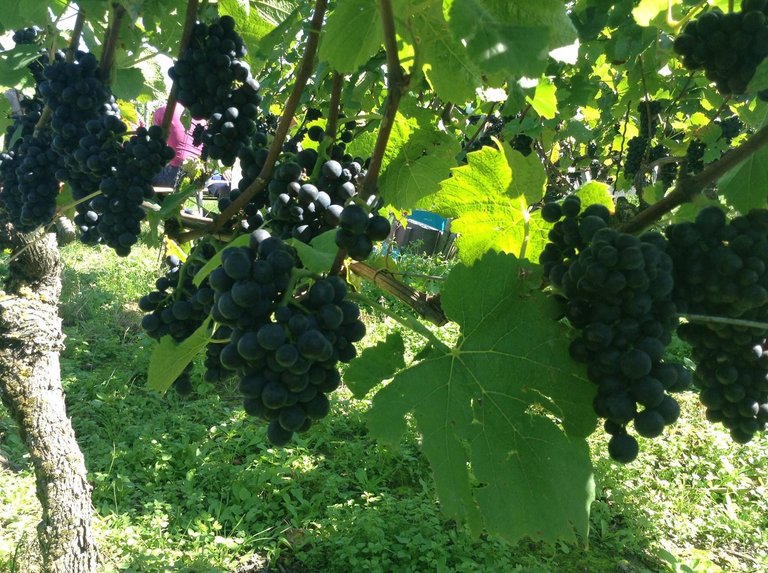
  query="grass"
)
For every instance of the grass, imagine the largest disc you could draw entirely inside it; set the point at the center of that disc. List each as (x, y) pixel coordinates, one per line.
(191, 485)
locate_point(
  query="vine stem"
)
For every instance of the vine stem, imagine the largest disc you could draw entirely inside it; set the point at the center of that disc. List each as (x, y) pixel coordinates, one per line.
(107, 59)
(724, 320)
(330, 126)
(647, 101)
(396, 86)
(550, 167)
(283, 126)
(406, 321)
(481, 127)
(688, 186)
(623, 139)
(190, 18)
(677, 24)
(88, 197)
(425, 306)
(649, 167)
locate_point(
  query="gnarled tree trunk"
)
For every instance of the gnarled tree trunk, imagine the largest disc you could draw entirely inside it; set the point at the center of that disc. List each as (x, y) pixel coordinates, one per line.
(30, 387)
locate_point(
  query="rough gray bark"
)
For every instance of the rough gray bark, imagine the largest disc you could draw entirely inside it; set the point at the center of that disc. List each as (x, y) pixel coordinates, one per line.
(30, 387)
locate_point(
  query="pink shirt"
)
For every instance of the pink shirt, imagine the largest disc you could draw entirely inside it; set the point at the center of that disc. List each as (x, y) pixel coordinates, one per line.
(179, 139)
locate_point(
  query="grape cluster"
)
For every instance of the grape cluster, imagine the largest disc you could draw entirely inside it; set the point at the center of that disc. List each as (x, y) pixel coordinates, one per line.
(648, 119)
(732, 374)
(38, 187)
(24, 124)
(636, 150)
(303, 210)
(358, 230)
(177, 307)
(729, 47)
(618, 289)
(232, 124)
(208, 68)
(694, 156)
(666, 173)
(75, 93)
(286, 355)
(22, 130)
(27, 35)
(522, 143)
(214, 371)
(730, 127)
(78, 97)
(127, 186)
(10, 195)
(721, 270)
(493, 126)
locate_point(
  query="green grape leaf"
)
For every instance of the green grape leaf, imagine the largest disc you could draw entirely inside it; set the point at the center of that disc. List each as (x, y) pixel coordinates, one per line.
(215, 261)
(13, 65)
(495, 41)
(144, 82)
(504, 409)
(169, 359)
(544, 100)
(272, 42)
(489, 212)
(419, 167)
(319, 255)
(759, 81)
(172, 203)
(596, 193)
(647, 10)
(744, 187)
(275, 11)
(448, 67)
(353, 34)
(65, 201)
(538, 236)
(530, 178)
(253, 25)
(375, 364)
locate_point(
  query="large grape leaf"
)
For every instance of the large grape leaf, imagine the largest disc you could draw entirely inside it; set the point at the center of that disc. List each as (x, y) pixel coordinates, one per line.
(544, 100)
(495, 39)
(251, 25)
(504, 414)
(169, 358)
(353, 34)
(490, 208)
(375, 364)
(447, 64)
(529, 178)
(419, 167)
(745, 186)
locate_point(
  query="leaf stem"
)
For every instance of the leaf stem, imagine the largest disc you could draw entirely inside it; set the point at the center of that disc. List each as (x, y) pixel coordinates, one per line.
(725, 320)
(405, 320)
(621, 146)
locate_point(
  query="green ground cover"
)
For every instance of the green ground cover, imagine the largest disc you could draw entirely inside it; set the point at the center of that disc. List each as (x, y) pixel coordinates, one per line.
(191, 484)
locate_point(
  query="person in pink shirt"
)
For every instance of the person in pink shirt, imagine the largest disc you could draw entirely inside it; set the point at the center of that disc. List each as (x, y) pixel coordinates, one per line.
(180, 140)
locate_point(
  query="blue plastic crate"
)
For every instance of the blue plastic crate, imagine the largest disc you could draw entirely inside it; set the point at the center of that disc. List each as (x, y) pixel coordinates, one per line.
(429, 219)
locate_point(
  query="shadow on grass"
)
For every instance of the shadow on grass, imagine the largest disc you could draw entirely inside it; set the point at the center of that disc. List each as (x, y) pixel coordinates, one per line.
(190, 484)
